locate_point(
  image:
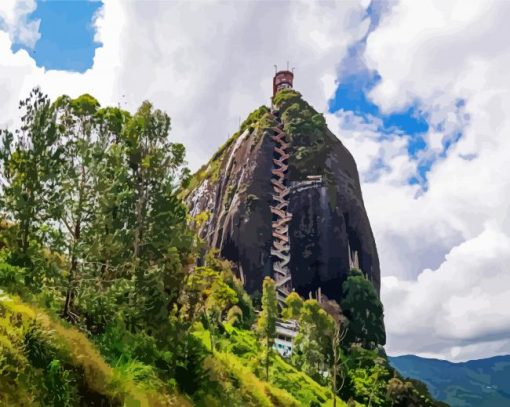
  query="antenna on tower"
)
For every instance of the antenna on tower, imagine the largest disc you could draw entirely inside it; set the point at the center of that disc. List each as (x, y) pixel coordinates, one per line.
(287, 65)
(275, 69)
(293, 69)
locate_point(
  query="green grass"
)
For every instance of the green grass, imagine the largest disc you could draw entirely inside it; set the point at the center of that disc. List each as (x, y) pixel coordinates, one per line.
(44, 362)
(239, 354)
(41, 358)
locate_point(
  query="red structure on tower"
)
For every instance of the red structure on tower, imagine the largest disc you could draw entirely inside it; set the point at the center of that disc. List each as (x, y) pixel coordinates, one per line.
(282, 80)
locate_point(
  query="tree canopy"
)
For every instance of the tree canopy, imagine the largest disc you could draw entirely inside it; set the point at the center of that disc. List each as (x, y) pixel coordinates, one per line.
(364, 310)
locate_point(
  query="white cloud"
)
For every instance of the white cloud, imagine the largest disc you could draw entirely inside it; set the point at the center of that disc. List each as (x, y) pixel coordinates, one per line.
(457, 309)
(378, 156)
(19, 73)
(433, 55)
(13, 20)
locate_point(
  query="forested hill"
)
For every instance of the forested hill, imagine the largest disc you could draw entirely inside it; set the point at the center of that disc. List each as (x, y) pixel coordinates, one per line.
(102, 302)
(475, 383)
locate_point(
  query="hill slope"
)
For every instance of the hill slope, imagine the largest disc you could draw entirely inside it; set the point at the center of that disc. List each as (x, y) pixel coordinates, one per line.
(480, 383)
(43, 362)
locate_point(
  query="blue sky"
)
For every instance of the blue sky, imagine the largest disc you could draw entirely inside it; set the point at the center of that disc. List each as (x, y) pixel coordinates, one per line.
(352, 95)
(67, 34)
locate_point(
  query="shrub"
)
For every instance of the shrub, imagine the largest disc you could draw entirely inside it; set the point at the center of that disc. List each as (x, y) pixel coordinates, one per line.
(60, 385)
(190, 374)
(12, 278)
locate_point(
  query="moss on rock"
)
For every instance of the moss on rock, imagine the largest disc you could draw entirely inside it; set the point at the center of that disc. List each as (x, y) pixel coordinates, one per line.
(307, 132)
(256, 122)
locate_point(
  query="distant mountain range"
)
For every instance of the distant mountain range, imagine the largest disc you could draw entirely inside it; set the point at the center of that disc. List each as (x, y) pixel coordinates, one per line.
(475, 383)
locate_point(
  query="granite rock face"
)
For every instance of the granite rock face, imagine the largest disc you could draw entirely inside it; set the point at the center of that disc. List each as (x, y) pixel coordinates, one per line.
(329, 229)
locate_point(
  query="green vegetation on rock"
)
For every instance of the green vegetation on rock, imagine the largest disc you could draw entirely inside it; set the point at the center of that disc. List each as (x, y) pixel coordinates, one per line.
(256, 122)
(307, 132)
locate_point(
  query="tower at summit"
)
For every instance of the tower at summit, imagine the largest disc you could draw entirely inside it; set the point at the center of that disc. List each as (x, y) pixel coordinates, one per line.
(282, 80)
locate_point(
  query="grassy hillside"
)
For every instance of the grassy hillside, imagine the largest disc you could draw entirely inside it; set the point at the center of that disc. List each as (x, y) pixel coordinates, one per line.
(239, 355)
(43, 362)
(480, 383)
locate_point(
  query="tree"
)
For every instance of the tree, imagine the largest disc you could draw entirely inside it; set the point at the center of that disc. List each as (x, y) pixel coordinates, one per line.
(312, 345)
(370, 383)
(234, 316)
(396, 391)
(30, 160)
(293, 306)
(246, 317)
(75, 205)
(155, 164)
(156, 217)
(364, 310)
(220, 299)
(337, 336)
(207, 295)
(105, 282)
(109, 241)
(266, 324)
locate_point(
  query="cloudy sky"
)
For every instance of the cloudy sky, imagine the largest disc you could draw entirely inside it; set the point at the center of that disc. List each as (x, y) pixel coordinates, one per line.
(418, 91)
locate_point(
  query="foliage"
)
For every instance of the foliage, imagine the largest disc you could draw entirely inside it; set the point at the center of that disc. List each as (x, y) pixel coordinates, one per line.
(94, 229)
(190, 371)
(241, 372)
(97, 187)
(364, 311)
(12, 278)
(370, 384)
(338, 334)
(302, 122)
(243, 300)
(41, 360)
(234, 316)
(293, 306)
(312, 346)
(266, 324)
(372, 381)
(29, 161)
